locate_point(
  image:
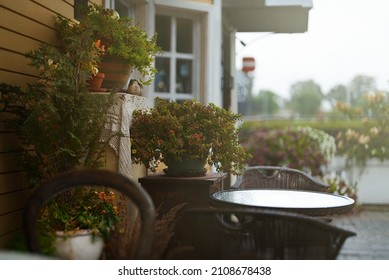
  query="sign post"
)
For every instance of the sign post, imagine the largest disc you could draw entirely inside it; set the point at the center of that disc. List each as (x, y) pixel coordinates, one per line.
(248, 64)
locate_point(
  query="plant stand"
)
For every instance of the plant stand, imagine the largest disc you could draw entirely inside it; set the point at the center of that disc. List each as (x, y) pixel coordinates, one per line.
(168, 192)
(119, 121)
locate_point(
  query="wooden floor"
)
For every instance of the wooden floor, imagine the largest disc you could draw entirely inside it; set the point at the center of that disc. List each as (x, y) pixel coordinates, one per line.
(371, 224)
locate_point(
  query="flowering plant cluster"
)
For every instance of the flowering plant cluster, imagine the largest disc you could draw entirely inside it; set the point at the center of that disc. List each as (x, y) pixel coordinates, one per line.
(188, 130)
(57, 118)
(92, 209)
(340, 186)
(67, 68)
(370, 139)
(122, 38)
(302, 148)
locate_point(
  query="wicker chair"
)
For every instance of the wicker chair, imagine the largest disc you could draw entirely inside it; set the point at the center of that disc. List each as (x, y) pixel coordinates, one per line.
(276, 177)
(253, 234)
(85, 178)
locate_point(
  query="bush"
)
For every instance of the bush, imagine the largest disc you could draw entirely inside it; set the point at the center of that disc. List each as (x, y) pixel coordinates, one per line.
(370, 140)
(302, 148)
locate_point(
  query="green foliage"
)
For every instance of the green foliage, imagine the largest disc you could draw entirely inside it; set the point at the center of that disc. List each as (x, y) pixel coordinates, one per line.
(358, 87)
(97, 212)
(306, 98)
(340, 186)
(336, 94)
(266, 103)
(370, 140)
(353, 93)
(302, 148)
(331, 127)
(122, 38)
(187, 130)
(57, 132)
(58, 121)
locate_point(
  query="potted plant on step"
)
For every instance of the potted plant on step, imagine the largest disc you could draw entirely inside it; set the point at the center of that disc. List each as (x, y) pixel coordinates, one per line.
(185, 137)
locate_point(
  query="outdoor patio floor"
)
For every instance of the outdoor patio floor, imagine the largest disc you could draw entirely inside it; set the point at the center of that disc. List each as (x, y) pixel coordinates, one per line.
(371, 224)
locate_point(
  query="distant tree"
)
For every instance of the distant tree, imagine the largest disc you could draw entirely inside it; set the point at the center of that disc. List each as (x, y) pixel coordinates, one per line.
(306, 98)
(266, 102)
(337, 94)
(359, 86)
(353, 93)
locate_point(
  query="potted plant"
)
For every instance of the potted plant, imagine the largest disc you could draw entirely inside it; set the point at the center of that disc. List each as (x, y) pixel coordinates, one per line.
(177, 133)
(64, 221)
(58, 121)
(127, 46)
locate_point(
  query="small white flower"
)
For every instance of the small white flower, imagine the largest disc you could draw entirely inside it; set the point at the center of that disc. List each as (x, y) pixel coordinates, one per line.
(363, 139)
(374, 131)
(95, 70)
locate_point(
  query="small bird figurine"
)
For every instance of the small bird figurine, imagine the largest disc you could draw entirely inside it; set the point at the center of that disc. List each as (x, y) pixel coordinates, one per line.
(135, 87)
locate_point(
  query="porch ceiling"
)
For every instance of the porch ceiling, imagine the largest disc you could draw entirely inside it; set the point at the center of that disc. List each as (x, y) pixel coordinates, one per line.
(278, 16)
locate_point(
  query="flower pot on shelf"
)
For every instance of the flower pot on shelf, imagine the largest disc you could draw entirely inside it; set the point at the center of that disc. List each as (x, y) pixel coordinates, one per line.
(191, 167)
(117, 72)
(96, 82)
(187, 130)
(80, 245)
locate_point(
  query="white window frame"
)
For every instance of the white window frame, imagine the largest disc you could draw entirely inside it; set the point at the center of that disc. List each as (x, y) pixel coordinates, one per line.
(208, 71)
(173, 56)
(110, 4)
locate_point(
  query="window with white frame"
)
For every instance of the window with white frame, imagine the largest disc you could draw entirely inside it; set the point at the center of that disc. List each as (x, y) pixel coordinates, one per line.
(123, 7)
(177, 66)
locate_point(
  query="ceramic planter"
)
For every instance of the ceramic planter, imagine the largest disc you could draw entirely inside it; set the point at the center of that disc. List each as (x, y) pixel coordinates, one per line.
(80, 245)
(186, 167)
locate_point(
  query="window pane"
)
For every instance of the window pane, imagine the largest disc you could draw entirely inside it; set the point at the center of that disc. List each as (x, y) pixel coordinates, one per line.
(162, 28)
(161, 81)
(184, 76)
(184, 35)
(123, 10)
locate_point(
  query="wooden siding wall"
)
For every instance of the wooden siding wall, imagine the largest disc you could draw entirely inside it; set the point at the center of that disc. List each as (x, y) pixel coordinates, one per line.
(24, 24)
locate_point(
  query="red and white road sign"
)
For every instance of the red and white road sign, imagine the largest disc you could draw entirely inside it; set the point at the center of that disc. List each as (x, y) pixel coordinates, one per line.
(248, 64)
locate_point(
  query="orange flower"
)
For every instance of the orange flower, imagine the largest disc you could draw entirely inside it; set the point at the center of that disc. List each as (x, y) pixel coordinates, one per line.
(97, 44)
(196, 136)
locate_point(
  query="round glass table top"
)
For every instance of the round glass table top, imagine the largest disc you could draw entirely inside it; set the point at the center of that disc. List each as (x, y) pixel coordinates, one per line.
(289, 199)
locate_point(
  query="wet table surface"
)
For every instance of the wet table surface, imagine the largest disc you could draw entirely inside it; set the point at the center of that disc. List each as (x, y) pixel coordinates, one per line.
(311, 203)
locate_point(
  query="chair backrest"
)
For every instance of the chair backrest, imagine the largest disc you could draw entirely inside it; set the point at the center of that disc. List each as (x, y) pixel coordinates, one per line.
(86, 178)
(276, 177)
(253, 234)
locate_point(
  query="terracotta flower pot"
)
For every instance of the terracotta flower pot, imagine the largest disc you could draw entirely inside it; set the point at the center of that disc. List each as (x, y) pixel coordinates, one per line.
(96, 82)
(117, 72)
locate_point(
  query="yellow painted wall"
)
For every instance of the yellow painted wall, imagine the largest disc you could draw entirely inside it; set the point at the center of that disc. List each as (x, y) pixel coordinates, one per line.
(23, 25)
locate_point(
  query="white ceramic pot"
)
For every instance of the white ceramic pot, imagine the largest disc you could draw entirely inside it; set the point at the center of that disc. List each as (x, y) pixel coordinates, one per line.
(81, 245)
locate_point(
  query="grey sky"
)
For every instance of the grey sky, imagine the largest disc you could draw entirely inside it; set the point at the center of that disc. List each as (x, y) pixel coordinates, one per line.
(345, 38)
